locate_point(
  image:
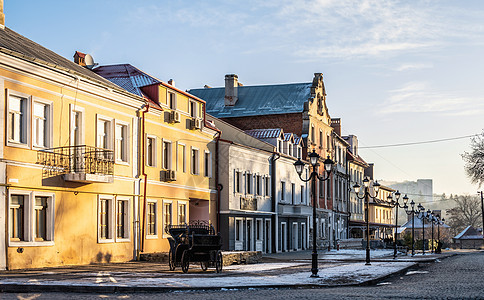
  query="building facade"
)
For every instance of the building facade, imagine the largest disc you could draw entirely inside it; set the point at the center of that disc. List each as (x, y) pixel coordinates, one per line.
(298, 108)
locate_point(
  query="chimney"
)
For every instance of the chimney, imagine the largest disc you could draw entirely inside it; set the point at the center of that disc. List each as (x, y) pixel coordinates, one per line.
(171, 82)
(231, 86)
(336, 124)
(79, 57)
(2, 16)
(369, 171)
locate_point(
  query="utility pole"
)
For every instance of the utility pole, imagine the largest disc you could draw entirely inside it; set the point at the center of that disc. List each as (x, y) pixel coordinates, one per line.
(482, 210)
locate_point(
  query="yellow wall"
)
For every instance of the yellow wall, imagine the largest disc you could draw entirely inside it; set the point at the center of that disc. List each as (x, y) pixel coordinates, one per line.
(76, 205)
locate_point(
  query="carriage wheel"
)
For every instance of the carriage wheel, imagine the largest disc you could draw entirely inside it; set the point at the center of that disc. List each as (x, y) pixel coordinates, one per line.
(218, 262)
(204, 265)
(185, 261)
(171, 261)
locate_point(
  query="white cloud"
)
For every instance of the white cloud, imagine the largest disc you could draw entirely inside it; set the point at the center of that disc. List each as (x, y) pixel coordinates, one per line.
(412, 66)
(320, 28)
(418, 97)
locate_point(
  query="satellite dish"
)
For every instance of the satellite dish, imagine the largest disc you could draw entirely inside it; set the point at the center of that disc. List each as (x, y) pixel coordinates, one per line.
(89, 61)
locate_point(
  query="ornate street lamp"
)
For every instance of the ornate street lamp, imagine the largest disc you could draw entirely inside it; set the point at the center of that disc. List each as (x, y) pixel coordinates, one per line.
(396, 204)
(367, 196)
(439, 221)
(432, 219)
(422, 216)
(412, 211)
(328, 165)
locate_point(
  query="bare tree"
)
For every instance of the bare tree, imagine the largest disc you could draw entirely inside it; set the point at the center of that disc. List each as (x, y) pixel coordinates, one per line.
(466, 212)
(474, 160)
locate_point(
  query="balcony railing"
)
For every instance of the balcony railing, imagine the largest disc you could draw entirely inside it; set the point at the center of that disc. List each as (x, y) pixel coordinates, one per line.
(78, 163)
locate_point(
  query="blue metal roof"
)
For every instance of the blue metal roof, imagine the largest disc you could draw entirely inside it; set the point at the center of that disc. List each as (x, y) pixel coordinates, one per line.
(256, 100)
(126, 76)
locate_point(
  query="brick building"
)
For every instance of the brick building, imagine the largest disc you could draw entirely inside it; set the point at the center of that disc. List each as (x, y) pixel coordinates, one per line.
(299, 108)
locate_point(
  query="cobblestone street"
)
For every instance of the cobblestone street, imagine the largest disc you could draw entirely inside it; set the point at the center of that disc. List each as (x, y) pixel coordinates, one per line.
(457, 277)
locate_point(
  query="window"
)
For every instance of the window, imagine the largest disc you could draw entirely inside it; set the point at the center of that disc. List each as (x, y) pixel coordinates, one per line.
(77, 125)
(258, 185)
(151, 221)
(182, 213)
(208, 164)
(313, 138)
(237, 181)
(279, 146)
(182, 158)
(151, 151)
(302, 194)
(283, 191)
(104, 219)
(258, 230)
(122, 219)
(321, 139)
(17, 227)
(18, 118)
(328, 145)
(267, 188)
(40, 218)
(171, 100)
(238, 230)
(167, 213)
(293, 193)
(167, 158)
(42, 125)
(248, 183)
(121, 146)
(195, 163)
(193, 109)
(31, 218)
(321, 188)
(104, 134)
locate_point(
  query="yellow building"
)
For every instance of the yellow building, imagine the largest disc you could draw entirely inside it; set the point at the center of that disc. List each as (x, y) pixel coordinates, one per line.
(381, 215)
(76, 152)
(179, 152)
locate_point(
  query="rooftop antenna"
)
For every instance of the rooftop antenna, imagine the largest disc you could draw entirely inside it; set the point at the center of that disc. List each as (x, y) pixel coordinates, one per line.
(89, 62)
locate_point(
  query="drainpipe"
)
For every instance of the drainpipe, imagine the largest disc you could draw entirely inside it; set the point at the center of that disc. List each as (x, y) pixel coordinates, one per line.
(143, 173)
(275, 156)
(218, 186)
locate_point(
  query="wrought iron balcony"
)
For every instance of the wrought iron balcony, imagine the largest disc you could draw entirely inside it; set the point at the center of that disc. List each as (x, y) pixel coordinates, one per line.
(77, 163)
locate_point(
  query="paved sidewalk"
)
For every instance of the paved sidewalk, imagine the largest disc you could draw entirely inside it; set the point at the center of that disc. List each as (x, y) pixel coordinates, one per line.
(291, 269)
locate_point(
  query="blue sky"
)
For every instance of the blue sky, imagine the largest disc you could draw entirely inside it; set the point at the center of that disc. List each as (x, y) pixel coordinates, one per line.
(395, 71)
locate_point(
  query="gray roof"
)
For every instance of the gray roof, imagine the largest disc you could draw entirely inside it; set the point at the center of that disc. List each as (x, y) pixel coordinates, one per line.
(469, 233)
(268, 133)
(126, 76)
(256, 100)
(17, 45)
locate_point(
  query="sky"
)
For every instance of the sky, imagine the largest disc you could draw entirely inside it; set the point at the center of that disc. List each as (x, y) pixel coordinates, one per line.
(394, 71)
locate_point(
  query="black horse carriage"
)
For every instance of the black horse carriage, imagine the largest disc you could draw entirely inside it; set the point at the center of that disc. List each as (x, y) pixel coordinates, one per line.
(194, 242)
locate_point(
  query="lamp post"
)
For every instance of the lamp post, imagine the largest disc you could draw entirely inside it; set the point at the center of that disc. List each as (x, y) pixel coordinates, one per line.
(421, 215)
(431, 218)
(328, 165)
(411, 211)
(396, 204)
(439, 221)
(367, 196)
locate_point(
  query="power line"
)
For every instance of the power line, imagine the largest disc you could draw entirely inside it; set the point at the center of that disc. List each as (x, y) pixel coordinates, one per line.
(419, 143)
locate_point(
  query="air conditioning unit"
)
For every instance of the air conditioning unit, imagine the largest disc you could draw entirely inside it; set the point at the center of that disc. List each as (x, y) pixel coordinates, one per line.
(168, 175)
(175, 117)
(196, 123)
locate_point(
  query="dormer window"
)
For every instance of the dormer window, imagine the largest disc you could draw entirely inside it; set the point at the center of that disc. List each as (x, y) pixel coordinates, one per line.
(171, 100)
(279, 145)
(193, 109)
